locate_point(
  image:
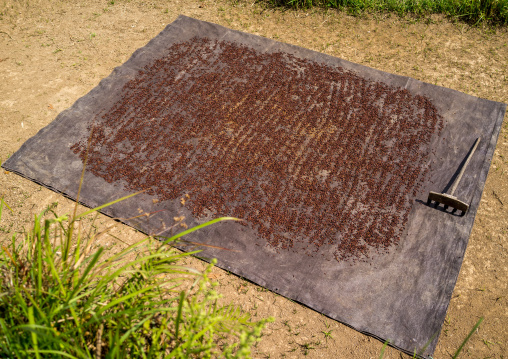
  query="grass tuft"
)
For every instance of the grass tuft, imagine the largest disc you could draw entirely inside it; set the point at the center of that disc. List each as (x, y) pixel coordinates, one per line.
(60, 297)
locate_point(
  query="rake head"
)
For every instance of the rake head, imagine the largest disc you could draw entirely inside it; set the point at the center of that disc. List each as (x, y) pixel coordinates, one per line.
(448, 201)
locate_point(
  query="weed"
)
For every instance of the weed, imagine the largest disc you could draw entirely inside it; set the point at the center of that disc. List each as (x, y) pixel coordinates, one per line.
(487, 343)
(286, 323)
(306, 347)
(327, 334)
(59, 297)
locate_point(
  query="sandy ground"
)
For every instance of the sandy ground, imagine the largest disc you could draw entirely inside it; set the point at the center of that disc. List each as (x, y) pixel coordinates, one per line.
(53, 52)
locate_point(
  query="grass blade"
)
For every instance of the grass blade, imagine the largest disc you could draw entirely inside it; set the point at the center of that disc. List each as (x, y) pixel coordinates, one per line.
(385, 344)
(467, 338)
(90, 266)
(2, 204)
(179, 314)
(86, 213)
(420, 353)
(49, 258)
(31, 320)
(193, 229)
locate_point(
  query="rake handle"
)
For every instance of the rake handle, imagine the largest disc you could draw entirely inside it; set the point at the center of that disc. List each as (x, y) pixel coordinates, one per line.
(463, 169)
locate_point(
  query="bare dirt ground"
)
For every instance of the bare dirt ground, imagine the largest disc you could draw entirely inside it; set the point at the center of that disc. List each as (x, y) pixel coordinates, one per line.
(53, 52)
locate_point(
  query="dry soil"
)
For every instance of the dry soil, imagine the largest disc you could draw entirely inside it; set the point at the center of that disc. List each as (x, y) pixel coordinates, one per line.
(53, 52)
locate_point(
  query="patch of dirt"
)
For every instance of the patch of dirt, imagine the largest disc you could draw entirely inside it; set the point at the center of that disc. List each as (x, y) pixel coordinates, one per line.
(53, 52)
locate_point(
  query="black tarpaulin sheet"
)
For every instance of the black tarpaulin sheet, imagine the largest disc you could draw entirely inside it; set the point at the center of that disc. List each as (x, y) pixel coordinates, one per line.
(328, 162)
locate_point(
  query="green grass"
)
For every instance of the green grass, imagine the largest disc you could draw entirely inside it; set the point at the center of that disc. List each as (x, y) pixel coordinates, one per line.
(493, 12)
(61, 297)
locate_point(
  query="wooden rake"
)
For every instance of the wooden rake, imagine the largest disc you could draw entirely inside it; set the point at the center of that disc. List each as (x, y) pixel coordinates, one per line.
(449, 200)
